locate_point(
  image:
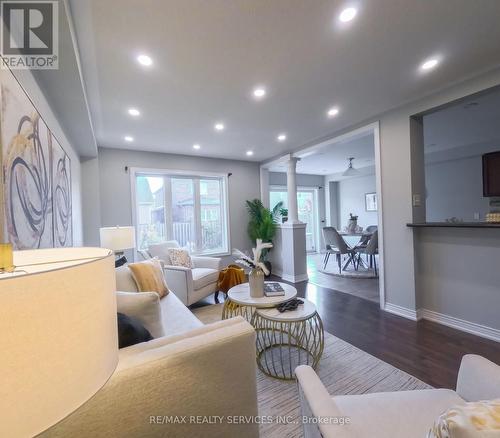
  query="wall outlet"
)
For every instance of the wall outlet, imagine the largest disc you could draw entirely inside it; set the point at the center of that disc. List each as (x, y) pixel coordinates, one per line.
(416, 200)
(477, 216)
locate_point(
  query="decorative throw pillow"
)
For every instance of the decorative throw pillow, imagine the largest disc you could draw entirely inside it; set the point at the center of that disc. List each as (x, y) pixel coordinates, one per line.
(471, 420)
(180, 257)
(148, 276)
(145, 306)
(131, 331)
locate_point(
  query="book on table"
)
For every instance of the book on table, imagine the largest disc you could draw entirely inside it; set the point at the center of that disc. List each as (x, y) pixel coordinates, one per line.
(272, 289)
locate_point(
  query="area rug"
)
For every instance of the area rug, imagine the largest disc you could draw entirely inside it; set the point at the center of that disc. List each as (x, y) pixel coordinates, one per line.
(348, 272)
(344, 369)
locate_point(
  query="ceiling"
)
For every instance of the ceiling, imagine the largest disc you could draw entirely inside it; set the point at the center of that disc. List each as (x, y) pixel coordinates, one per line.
(471, 125)
(332, 158)
(208, 56)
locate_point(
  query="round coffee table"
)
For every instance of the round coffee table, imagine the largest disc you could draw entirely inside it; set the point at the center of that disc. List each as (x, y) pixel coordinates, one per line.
(239, 302)
(287, 340)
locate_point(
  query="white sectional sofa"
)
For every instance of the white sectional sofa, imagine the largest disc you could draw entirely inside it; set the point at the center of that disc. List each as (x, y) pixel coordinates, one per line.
(192, 372)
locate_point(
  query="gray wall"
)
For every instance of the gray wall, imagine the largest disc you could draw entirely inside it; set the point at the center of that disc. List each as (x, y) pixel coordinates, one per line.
(351, 199)
(115, 195)
(458, 273)
(455, 188)
(404, 279)
(37, 96)
(91, 202)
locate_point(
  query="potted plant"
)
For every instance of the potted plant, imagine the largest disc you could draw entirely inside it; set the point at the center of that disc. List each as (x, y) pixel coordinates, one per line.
(262, 225)
(284, 214)
(352, 225)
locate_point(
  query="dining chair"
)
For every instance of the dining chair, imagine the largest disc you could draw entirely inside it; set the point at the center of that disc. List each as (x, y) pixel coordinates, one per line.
(365, 238)
(335, 244)
(371, 250)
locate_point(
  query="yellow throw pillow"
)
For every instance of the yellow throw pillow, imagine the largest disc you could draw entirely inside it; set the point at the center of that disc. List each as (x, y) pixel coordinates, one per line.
(180, 257)
(471, 420)
(148, 277)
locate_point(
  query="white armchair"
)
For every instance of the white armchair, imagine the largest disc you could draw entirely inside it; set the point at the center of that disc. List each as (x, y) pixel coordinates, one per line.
(190, 285)
(408, 414)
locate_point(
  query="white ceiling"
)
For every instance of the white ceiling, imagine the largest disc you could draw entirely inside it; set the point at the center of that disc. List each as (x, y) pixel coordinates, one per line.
(472, 124)
(332, 158)
(208, 55)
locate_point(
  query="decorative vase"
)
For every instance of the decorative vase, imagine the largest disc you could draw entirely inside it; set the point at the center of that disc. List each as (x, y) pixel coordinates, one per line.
(256, 281)
(352, 225)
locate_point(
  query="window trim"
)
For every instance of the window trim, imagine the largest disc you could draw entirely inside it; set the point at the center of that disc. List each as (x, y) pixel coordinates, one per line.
(137, 171)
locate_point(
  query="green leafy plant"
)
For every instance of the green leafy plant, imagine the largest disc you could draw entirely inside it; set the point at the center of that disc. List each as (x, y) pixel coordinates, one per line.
(284, 212)
(263, 222)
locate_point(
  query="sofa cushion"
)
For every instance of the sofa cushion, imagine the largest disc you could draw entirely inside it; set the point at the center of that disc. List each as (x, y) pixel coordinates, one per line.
(408, 414)
(144, 306)
(124, 280)
(176, 317)
(203, 277)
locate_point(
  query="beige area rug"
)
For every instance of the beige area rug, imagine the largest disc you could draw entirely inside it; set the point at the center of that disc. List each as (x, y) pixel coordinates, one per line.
(344, 369)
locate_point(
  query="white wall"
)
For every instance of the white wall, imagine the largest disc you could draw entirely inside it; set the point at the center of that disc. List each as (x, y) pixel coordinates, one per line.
(455, 188)
(351, 199)
(115, 193)
(33, 90)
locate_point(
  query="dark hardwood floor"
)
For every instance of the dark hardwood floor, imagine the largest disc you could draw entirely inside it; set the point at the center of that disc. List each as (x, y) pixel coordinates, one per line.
(426, 350)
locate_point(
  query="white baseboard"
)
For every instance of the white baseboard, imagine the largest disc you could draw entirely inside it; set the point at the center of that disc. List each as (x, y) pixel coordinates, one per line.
(401, 311)
(295, 278)
(291, 278)
(460, 324)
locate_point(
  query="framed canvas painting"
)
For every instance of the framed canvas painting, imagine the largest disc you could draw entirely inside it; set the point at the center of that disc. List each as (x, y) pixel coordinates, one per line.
(36, 174)
(371, 202)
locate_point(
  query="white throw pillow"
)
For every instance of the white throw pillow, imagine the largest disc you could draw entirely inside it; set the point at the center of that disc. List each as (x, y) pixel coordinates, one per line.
(145, 306)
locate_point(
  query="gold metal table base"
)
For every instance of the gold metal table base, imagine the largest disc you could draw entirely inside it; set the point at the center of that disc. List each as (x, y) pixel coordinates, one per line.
(282, 345)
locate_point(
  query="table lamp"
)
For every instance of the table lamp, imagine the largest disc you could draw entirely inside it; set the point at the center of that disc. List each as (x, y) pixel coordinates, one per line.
(58, 335)
(118, 239)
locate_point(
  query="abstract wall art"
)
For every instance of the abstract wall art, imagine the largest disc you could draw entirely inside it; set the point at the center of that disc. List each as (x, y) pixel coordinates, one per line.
(36, 175)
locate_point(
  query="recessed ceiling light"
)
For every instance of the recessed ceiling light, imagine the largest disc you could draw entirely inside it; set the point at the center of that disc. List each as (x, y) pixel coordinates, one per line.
(332, 112)
(249, 153)
(347, 14)
(259, 92)
(219, 127)
(144, 60)
(134, 112)
(128, 138)
(281, 137)
(196, 146)
(429, 64)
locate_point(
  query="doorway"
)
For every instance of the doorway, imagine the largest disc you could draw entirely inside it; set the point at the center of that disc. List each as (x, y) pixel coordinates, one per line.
(307, 206)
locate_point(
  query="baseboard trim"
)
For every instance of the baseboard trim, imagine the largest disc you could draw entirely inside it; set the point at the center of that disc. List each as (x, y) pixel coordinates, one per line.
(460, 324)
(401, 311)
(291, 278)
(295, 278)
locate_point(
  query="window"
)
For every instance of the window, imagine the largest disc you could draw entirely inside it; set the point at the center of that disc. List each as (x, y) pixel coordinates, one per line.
(189, 208)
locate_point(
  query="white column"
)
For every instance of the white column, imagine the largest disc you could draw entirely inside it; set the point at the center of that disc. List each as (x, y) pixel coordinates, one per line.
(264, 187)
(291, 185)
